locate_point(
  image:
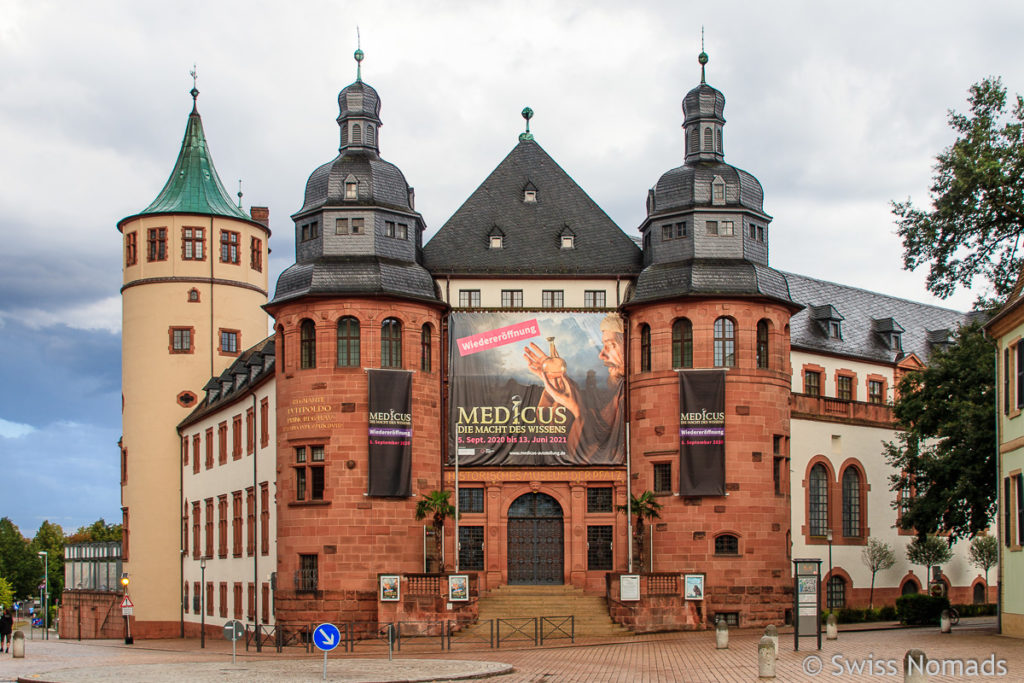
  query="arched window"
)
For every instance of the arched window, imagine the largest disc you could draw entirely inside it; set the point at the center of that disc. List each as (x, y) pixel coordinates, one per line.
(911, 587)
(357, 134)
(708, 140)
(391, 343)
(645, 348)
(727, 544)
(694, 143)
(279, 346)
(817, 490)
(762, 343)
(348, 342)
(836, 592)
(718, 141)
(851, 503)
(425, 347)
(682, 343)
(725, 343)
(307, 344)
(369, 134)
(979, 593)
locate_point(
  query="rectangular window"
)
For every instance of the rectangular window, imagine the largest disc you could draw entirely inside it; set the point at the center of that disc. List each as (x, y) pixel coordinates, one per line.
(357, 226)
(471, 500)
(236, 437)
(209, 448)
(265, 605)
(663, 477)
(250, 521)
(389, 228)
(209, 527)
(209, 598)
(552, 298)
(844, 388)
(229, 342)
(185, 598)
(131, 249)
(309, 479)
(181, 340)
(193, 244)
(264, 422)
(511, 298)
(228, 247)
(300, 483)
(812, 383)
(222, 525)
(250, 432)
(599, 499)
(238, 600)
(876, 391)
(594, 298)
(156, 244)
(725, 228)
(666, 232)
(256, 254)
(469, 298)
(251, 612)
(402, 231)
(264, 518)
(236, 523)
(309, 231)
(197, 538)
(1018, 484)
(1020, 374)
(497, 241)
(224, 599)
(599, 547)
(1006, 381)
(222, 443)
(711, 227)
(196, 440)
(306, 581)
(680, 230)
(471, 548)
(340, 226)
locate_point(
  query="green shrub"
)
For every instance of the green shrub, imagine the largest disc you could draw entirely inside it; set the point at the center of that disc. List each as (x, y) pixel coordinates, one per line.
(887, 613)
(984, 610)
(920, 609)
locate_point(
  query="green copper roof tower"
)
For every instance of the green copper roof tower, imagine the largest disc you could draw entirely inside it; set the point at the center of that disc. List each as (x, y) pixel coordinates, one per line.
(194, 186)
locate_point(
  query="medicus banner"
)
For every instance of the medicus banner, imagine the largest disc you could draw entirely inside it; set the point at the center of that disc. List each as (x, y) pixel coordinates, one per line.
(390, 432)
(535, 389)
(702, 433)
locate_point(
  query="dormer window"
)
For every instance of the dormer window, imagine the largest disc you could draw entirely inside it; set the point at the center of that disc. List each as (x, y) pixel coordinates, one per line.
(829, 319)
(835, 329)
(568, 242)
(497, 241)
(530, 196)
(718, 191)
(890, 332)
(351, 188)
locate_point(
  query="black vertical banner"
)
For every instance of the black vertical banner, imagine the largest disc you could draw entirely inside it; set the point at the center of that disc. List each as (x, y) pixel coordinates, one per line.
(390, 433)
(702, 433)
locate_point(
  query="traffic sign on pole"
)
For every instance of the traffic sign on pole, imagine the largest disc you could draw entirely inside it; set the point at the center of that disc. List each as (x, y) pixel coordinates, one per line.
(234, 630)
(127, 602)
(326, 637)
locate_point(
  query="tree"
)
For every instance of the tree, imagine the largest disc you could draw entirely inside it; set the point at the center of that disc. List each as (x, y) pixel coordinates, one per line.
(97, 532)
(974, 227)
(929, 551)
(50, 539)
(984, 554)
(642, 508)
(436, 506)
(946, 456)
(17, 562)
(877, 556)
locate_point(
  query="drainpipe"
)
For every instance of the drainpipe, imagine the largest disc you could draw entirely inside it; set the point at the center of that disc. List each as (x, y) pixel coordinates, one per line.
(255, 548)
(629, 460)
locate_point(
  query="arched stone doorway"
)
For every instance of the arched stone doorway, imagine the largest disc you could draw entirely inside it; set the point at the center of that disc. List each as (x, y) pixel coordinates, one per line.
(536, 552)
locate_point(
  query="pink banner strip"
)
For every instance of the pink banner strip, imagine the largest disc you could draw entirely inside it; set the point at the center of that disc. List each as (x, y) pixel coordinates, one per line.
(498, 337)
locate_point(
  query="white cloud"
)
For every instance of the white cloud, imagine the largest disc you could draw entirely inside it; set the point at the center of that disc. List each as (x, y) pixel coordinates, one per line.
(104, 314)
(14, 430)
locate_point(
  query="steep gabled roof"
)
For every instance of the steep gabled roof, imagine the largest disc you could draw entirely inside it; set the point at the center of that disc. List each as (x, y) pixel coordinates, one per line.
(532, 231)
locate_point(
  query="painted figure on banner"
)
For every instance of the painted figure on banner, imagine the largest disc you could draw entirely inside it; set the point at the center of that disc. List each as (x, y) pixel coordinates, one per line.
(595, 435)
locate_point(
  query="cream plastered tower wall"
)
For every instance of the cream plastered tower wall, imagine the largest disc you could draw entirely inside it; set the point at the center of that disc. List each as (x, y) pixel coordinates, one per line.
(163, 291)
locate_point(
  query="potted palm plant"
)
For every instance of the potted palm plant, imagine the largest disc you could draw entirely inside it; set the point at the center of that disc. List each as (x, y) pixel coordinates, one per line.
(643, 508)
(436, 505)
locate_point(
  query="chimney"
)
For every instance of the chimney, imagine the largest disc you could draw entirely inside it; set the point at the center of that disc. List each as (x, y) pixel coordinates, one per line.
(261, 215)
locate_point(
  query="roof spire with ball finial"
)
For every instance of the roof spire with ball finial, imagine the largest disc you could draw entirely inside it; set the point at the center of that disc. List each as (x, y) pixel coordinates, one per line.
(527, 114)
(703, 56)
(359, 58)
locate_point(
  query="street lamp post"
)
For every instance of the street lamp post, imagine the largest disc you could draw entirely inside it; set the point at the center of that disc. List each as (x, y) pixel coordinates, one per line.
(202, 602)
(828, 536)
(46, 593)
(128, 640)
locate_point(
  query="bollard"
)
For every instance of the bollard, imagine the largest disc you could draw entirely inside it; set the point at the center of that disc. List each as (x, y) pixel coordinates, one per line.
(831, 627)
(772, 632)
(18, 644)
(945, 626)
(721, 635)
(914, 664)
(766, 658)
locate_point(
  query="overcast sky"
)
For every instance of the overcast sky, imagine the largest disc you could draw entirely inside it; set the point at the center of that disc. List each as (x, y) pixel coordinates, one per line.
(837, 108)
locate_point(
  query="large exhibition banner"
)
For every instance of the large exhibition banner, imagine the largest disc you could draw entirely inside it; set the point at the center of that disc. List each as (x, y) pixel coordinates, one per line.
(536, 388)
(702, 433)
(390, 432)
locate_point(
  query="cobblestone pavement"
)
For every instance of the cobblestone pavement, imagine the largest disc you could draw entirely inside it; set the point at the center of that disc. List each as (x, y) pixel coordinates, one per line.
(688, 657)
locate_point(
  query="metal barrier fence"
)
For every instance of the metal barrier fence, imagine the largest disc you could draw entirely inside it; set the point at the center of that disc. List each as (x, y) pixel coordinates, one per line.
(448, 633)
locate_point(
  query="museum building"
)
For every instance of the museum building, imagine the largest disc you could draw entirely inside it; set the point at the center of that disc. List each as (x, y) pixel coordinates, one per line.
(534, 360)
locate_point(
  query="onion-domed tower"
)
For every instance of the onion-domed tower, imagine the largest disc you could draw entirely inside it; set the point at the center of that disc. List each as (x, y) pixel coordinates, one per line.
(355, 301)
(708, 300)
(195, 278)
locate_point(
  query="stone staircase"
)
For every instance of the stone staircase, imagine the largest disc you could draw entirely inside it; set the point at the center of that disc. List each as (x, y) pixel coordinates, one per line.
(590, 611)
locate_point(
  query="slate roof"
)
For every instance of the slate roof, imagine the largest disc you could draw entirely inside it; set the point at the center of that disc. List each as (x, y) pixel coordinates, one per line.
(718, 277)
(381, 183)
(251, 368)
(531, 230)
(194, 186)
(687, 186)
(865, 316)
(351, 275)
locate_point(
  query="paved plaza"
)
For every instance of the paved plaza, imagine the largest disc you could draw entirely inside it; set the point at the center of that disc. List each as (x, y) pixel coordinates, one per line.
(691, 657)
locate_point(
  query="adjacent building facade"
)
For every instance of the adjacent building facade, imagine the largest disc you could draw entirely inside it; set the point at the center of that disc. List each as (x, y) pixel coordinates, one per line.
(531, 358)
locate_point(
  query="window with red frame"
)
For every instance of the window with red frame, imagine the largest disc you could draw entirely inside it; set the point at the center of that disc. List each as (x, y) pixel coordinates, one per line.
(193, 244)
(156, 244)
(256, 254)
(236, 523)
(228, 247)
(131, 249)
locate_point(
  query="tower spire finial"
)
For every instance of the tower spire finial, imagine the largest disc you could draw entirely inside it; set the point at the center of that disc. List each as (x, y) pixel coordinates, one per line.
(359, 58)
(239, 193)
(703, 56)
(194, 73)
(527, 114)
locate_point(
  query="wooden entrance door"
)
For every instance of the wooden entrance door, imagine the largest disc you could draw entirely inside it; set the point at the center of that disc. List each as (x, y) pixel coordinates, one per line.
(536, 548)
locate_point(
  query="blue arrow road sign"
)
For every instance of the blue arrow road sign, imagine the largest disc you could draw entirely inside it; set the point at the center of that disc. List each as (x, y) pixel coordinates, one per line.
(326, 637)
